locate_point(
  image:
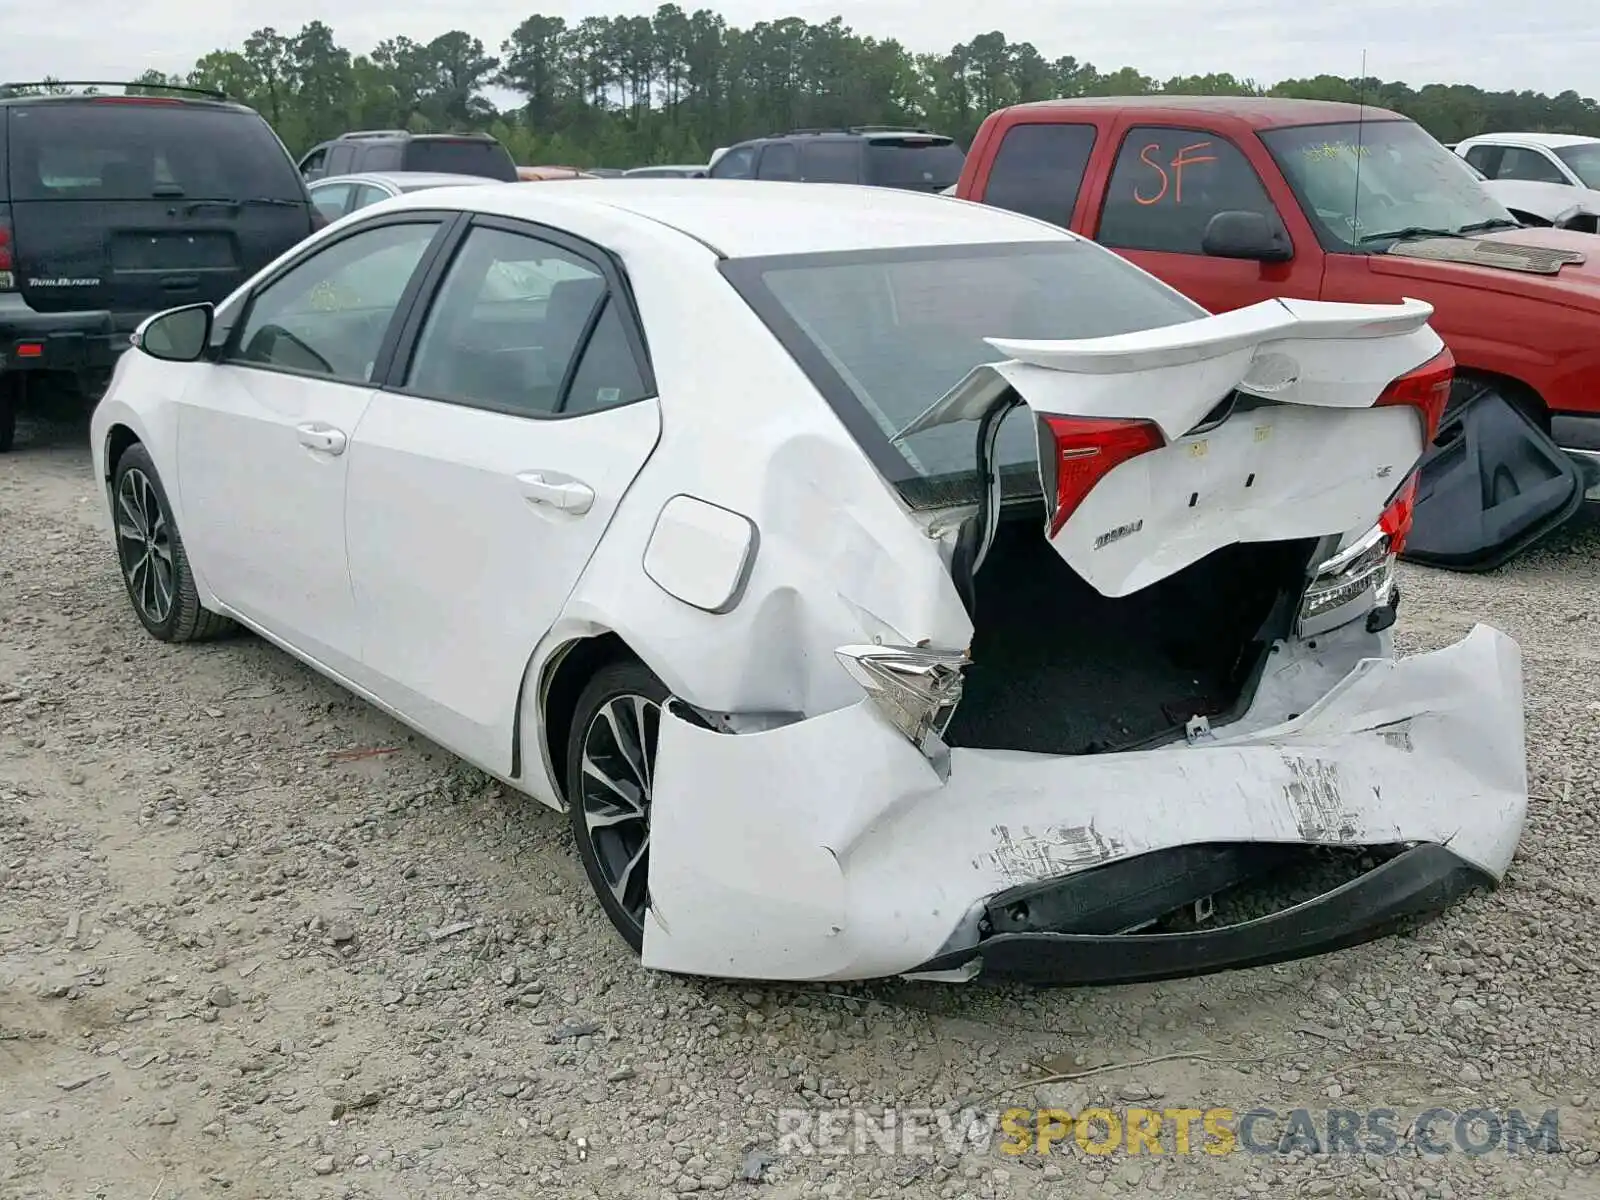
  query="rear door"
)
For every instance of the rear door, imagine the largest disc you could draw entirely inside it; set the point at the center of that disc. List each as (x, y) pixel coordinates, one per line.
(137, 204)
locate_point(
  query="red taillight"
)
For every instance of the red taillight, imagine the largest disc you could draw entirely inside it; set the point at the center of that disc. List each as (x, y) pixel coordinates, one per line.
(1427, 389)
(1086, 450)
(1396, 519)
(30, 350)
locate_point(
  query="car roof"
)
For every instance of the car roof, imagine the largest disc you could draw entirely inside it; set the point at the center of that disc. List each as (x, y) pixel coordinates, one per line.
(1257, 112)
(405, 179)
(1551, 140)
(71, 98)
(748, 218)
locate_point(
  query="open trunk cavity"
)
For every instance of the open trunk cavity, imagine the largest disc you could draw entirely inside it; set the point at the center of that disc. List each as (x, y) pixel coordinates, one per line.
(1057, 668)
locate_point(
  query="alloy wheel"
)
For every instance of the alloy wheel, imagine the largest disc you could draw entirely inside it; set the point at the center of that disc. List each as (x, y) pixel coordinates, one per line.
(619, 749)
(144, 544)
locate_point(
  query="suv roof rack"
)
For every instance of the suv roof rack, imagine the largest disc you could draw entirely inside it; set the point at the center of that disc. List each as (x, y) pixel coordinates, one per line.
(208, 93)
(354, 134)
(856, 129)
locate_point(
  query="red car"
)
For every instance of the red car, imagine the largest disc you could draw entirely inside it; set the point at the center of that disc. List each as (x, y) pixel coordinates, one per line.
(1235, 200)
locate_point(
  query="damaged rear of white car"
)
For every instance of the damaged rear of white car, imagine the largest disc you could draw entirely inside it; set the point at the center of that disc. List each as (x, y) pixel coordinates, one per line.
(1171, 736)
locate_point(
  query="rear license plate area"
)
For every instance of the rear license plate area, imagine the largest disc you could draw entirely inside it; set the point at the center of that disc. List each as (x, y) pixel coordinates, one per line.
(171, 251)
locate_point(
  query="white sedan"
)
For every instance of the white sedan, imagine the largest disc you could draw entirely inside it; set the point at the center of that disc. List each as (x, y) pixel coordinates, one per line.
(885, 584)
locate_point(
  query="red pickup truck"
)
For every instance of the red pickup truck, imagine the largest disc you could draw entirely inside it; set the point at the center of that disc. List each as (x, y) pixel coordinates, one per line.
(1236, 200)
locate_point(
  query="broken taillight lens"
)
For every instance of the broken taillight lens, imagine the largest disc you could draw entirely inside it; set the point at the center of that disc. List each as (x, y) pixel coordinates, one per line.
(1396, 519)
(1427, 389)
(1076, 453)
(915, 687)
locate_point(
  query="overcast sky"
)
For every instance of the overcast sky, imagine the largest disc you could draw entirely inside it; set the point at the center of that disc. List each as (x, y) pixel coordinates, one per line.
(1546, 45)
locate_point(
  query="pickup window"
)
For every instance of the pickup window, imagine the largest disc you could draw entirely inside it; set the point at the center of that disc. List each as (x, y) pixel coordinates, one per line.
(1363, 184)
(1038, 170)
(1167, 185)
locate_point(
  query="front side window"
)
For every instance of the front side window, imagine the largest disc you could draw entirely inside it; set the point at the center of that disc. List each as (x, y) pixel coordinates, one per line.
(328, 314)
(1363, 185)
(1485, 158)
(735, 164)
(1521, 162)
(1039, 169)
(1583, 160)
(1167, 185)
(884, 334)
(511, 320)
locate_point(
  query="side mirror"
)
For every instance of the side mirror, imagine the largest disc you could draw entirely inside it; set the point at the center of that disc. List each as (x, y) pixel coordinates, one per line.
(1237, 233)
(177, 335)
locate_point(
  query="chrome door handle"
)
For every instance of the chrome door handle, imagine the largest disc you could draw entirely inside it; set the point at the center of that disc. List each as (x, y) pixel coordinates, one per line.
(324, 438)
(545, 487)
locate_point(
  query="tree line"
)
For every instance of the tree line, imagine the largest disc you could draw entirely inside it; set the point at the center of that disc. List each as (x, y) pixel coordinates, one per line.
(622, 91)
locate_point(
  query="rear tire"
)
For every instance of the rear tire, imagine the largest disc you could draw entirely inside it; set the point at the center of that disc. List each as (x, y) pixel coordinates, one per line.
(150, 553)
(614, 730)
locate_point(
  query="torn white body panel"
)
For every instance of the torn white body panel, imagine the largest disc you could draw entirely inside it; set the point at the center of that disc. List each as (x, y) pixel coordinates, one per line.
(857, 862)
(1318, 459)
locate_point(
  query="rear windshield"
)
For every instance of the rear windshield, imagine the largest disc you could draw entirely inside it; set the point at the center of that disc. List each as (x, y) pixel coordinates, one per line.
(115, 150)
(926, 164)
(448, 156)
(883, 334)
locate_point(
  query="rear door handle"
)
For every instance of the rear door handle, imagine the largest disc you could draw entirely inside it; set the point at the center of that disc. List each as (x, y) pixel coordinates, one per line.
(323, 438)
(556, 491)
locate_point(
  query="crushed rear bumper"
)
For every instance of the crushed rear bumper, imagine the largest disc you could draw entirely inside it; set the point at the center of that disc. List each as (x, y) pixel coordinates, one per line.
(1417, 882)
(830, 849)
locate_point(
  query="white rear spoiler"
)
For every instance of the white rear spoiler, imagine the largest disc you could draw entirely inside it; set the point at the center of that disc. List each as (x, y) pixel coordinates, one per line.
(1293, 351)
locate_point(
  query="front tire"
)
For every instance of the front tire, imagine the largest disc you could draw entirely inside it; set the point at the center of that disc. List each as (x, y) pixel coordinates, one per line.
(155, 568)
(610, 768)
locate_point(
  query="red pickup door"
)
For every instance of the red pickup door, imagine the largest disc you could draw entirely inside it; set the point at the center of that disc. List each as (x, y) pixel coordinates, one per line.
(1235, 200)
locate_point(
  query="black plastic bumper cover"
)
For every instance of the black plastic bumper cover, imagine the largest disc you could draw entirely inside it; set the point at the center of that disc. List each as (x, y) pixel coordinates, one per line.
(1417, 882)
(81, 341)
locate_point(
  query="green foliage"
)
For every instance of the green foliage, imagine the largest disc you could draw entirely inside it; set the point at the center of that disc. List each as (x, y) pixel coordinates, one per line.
(622, 91)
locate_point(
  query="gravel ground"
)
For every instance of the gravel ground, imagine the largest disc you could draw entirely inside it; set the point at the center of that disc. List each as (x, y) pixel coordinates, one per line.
(238, 959)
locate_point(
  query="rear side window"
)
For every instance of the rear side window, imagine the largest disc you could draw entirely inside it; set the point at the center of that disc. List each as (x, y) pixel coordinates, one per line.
(924, 164)
(464, 156)
(779, 161)
(1169, 183)
(381, 156)
(116, 150)
(1039, 170)
(834, 160)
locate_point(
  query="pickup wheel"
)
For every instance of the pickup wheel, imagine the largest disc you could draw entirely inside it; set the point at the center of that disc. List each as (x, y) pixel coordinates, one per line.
(155, 567)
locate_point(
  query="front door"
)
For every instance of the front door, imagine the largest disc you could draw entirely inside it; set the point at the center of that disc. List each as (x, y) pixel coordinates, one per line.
(483, 477)
(1165, 186)
(263, 437)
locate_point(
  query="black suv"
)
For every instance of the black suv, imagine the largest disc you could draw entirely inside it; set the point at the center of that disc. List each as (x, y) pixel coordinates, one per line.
(114, 207)
(366, 151)
(877, 155)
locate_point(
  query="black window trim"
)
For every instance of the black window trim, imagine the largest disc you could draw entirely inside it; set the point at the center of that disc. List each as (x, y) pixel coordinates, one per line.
(444, 221)
(1116, 157)
(1326, 238)
(398, 365)
(745, 275)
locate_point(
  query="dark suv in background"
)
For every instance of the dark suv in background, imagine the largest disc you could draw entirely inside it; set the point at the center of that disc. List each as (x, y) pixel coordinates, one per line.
(365, 152)
(114, 207)
(876, 155)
